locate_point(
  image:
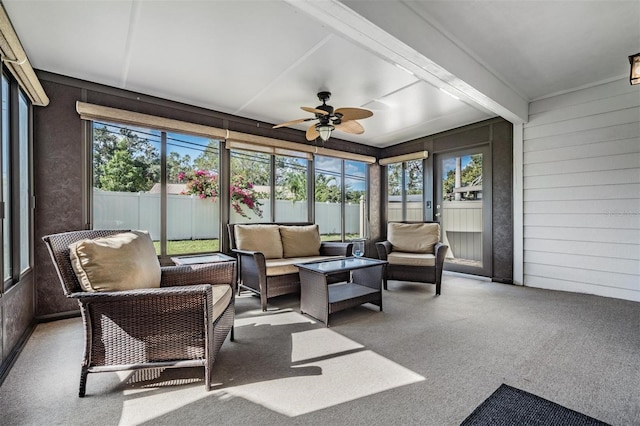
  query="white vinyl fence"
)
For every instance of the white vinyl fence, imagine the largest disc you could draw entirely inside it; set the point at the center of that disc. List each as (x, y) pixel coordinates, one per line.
(191, 218)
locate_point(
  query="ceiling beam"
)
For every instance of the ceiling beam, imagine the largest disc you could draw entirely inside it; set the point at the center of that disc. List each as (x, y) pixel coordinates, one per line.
(396, 33)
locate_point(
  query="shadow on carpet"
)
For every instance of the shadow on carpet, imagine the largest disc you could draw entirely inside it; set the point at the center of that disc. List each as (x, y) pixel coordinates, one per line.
(511, 406)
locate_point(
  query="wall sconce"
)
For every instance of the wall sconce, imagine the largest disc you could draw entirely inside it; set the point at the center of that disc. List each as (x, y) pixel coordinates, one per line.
(634, 75)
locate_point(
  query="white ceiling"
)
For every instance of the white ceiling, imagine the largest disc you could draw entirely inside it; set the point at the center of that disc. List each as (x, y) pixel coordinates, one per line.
(264, 59)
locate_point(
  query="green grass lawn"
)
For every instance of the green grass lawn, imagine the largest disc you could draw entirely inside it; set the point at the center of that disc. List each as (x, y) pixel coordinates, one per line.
(205, 246)
(189, 246)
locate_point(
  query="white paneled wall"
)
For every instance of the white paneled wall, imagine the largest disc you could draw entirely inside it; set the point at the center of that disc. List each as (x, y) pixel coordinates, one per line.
(581, 170)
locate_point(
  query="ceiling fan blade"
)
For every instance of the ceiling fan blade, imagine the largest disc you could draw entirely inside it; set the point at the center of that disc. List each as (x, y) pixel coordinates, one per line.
(353, 113)
(312, 133)
(314, 110)
(350, 126)
(289, 123)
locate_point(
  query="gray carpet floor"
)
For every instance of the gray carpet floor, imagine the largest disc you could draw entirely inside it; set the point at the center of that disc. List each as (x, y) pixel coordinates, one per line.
(424, 360)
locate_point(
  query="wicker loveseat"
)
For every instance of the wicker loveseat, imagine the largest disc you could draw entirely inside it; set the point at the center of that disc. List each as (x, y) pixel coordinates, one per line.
(414, 252)
(267, 254)
(180, 321)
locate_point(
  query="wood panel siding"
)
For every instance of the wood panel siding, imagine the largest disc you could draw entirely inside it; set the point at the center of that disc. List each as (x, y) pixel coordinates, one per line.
(581, 180)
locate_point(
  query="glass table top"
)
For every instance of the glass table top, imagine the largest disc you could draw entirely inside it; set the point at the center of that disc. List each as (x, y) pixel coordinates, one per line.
(337, 265)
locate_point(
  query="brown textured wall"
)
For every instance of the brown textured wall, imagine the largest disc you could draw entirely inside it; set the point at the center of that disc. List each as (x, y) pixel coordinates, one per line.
(58, 171)
(376, 220)
(502, 157)
(18, 312)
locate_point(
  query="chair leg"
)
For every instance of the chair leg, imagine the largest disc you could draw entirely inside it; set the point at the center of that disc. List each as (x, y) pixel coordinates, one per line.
(207, 376)
(83, 382)
(232, 335)
(263, 302)
(384, 283)
(438, 288)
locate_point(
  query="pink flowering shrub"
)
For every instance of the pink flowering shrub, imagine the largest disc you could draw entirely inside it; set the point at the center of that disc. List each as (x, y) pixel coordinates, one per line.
(202, 183)
(205, 184)
(242, 192)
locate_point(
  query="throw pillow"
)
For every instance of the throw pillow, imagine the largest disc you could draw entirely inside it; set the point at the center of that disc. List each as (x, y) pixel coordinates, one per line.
(125, 261)
(413, 237)
(300, 240)
(262, 238)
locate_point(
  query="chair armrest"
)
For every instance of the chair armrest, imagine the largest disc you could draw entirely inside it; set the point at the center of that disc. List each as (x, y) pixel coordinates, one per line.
(384, 248)
(440, 250)
(255, 257)
(143, 293)
(252, 269)
(207, 273)
(329, 248)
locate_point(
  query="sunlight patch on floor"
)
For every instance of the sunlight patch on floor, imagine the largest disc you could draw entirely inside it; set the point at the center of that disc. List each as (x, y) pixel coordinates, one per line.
(307, 345)
(144, 408)
(345, 375)
(348, 371)
(278, 318)
(344, 378)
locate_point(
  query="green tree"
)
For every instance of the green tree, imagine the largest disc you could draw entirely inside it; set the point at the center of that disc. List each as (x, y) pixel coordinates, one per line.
(176, 164)
(413, 170)
(471, 174)
(209, 159)
(394, 179)
(351, 196)
(291, 178)
(327, 189)
(132, 150)
(252, 166)
(123, 172)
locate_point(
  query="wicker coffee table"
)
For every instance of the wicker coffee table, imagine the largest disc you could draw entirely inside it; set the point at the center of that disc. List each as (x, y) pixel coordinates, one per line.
(320, 299)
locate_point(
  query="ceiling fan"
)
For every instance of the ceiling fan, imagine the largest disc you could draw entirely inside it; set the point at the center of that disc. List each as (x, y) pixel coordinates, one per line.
(343, 119)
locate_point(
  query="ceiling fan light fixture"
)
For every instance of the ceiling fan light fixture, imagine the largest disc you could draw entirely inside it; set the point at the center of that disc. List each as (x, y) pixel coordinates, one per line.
(634, 76)
(325, 131)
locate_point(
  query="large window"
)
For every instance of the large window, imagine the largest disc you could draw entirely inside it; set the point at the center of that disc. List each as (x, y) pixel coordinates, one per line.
(193, 194)
(250, 187)
(183, 188)
(16, 191)
(291, 189)
(340, 198)
(164, 183)
(405, 191)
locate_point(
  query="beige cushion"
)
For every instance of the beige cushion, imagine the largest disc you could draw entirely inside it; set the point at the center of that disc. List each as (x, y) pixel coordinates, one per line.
(262, 238)
(300, 240)
(411, 259)
(221, 295)
(125, 261)
(286, 266)
(413, 237)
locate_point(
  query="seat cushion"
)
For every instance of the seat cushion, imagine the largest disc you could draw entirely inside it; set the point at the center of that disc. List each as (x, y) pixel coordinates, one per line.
(411, 259)
(262, 238)
(413, 237)
(125, 261)
(221, 294)
(286, 266)
(300, 240)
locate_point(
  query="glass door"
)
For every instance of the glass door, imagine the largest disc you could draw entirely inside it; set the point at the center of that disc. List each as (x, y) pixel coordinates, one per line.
(463, 208)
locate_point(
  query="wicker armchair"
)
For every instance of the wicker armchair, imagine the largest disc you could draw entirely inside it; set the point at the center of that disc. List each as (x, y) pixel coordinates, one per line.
(170, 326)
(414, 252)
